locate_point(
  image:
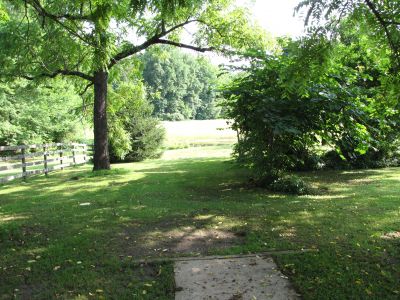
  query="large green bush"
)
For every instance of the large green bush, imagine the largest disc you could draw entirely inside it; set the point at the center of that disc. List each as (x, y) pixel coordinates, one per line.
(291, 106)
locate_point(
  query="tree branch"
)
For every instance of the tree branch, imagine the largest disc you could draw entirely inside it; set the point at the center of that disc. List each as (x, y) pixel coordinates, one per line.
(156, 39)
(60, 72)
(182, 45)
(173, 28)
(131, 51)
(384, 25)
(86, 88)
(35, 4)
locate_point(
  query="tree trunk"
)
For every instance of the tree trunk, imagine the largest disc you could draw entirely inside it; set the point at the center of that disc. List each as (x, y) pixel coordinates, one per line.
(101, 158)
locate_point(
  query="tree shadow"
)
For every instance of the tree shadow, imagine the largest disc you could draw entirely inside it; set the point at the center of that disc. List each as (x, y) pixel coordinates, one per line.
(172, 208)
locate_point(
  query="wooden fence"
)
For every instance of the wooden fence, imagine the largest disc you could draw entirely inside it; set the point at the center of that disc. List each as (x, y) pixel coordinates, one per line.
(38, 159)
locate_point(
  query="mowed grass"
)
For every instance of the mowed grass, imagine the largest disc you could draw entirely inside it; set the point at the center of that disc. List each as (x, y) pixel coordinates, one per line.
(77, 235)
(184, 134)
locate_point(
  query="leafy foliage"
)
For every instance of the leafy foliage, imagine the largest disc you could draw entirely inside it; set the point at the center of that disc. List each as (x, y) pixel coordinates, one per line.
(180, 86)
(377, 19)
(134, 134)
(314, 93)
(41, 113)
(47, 38)
(290, 185)
(147, 137)
(3, 13)
(86, 39)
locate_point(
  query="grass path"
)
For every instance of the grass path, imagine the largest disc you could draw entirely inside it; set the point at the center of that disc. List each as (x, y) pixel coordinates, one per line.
(76, 235)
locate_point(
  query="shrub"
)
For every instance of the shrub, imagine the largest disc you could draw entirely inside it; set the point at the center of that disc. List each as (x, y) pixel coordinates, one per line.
(285, 108)
(139, 139)
(290, 185)
(134, 134)
(333, 160)
(375, 157)
(147, 137)
(307, 160)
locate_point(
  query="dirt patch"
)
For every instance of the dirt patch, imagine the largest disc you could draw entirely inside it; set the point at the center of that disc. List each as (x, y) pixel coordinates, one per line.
(167, 239)
(391, 235)
(24, 292)
(189, 239)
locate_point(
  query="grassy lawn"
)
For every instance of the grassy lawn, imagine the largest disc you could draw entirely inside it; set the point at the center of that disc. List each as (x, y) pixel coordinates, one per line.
(189, 133)
(75, 235)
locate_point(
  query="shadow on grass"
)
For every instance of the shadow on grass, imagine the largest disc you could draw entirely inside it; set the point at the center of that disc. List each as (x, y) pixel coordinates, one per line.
(90, 226)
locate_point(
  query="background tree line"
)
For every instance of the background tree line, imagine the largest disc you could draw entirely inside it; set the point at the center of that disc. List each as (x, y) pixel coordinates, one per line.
(35, 113)
(180, 86)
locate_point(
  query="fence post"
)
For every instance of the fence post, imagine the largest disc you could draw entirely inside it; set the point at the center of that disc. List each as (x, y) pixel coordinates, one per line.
(84, 152)
(61, 156)
(23, 161)
(73, 155)
(46, 172)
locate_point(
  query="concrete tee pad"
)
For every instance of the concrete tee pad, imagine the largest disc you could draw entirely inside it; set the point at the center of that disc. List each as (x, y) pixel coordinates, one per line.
(239, 278)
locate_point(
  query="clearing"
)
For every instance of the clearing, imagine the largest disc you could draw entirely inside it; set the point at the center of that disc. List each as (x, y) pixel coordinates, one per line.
(79, 235)
(184, 134)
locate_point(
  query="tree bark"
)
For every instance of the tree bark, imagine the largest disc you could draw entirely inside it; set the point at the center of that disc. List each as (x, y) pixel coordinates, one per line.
(101, 158)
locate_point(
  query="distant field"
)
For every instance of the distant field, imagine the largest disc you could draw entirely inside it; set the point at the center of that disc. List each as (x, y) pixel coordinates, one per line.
(183, 134)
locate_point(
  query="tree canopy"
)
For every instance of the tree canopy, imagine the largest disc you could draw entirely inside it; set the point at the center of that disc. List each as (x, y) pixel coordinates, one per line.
(85, 39)
(379, 19)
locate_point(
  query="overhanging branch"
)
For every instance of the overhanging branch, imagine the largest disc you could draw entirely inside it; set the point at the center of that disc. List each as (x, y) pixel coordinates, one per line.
(35, 4)
(60, 72)
(182, 45)
(130, 51)
(157, 39)
(39, 8)
(384, 25)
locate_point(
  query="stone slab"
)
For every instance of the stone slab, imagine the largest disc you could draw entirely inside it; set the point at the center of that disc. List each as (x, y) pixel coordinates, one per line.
(240, 278)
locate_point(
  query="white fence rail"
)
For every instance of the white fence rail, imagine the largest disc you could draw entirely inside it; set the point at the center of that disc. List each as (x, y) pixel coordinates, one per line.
(26, 160)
